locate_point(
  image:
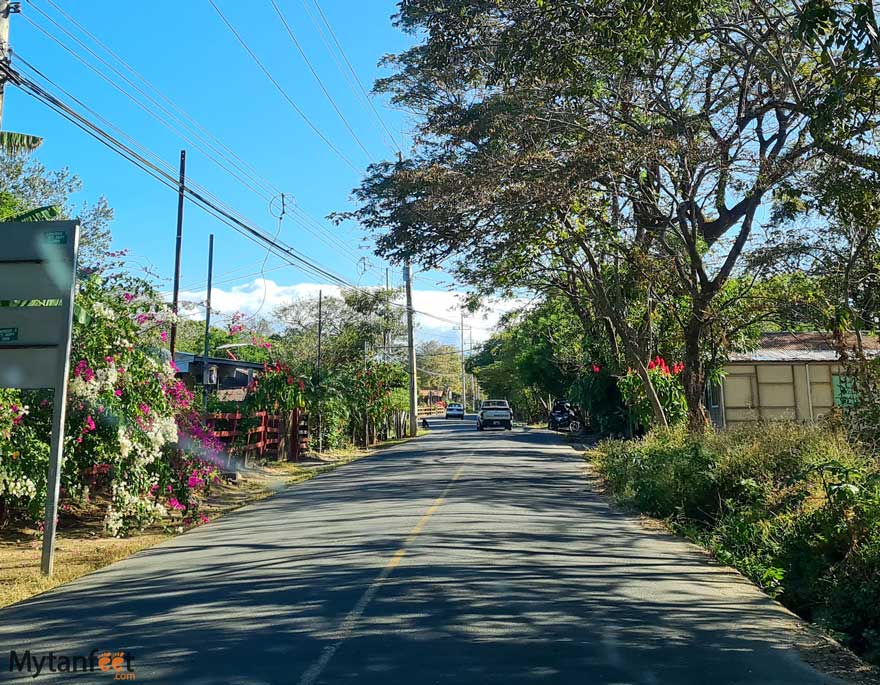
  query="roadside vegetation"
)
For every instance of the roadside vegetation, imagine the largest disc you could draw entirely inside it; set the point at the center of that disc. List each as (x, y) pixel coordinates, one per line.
(793, 507)
(141, 460)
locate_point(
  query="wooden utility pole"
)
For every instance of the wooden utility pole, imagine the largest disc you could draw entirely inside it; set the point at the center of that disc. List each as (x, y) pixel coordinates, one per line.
(205, 371)
(386, 332)
(463, 383)
(6, 8)
(181, 188)
(320, 333)
(410, 341)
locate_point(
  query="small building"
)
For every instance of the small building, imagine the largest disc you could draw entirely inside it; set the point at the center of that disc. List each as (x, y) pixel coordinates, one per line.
(793, 376)
(223, 374)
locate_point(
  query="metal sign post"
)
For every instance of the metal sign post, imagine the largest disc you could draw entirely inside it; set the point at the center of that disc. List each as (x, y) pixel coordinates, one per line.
(39, 263)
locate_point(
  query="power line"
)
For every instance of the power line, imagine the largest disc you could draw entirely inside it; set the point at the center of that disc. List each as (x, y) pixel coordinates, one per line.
(212, 153)
(281, 89)
(270, 190)
(267, 188)
(201, 197)
(203, 200)
(354, 73)
(318, 78)
(244, 165)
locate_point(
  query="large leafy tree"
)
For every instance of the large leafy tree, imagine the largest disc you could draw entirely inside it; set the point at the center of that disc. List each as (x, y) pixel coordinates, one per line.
(618, 156)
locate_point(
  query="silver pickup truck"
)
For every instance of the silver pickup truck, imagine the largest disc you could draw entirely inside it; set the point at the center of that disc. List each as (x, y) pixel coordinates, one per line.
(494, 413)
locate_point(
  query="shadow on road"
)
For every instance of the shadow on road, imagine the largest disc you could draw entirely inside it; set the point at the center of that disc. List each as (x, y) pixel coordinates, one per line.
(523, 575)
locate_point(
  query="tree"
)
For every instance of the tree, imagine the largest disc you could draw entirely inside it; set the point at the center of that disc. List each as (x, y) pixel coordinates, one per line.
(439, 366)
(31, 192)
(610, 154)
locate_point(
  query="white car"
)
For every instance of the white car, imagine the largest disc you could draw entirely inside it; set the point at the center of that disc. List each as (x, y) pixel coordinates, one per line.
(495, 413)
(454, 411)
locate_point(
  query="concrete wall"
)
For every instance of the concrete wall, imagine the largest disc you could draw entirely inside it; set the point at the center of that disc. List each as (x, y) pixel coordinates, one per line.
(777, 391)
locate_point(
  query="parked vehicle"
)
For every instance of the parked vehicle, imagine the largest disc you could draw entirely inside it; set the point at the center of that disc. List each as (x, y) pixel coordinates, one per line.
(495, 414)
(454, 410)
(565, 416)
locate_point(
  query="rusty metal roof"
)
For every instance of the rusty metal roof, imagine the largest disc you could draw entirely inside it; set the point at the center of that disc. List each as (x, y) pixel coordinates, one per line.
(815, 346)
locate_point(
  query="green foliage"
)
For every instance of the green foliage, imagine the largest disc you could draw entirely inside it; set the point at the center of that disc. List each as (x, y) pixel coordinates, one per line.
(794, 507)
(125, 414)
(277, 389)
(667, 384)
(599, 397)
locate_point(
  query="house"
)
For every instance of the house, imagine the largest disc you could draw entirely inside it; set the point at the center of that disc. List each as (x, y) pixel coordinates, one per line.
(793, 376)
(223, 373)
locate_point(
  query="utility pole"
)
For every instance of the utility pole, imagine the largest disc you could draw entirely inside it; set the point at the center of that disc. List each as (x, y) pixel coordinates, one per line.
(366, 416)
(320, 332)
(386, 329)
(473, 378)
(410, 341)
(205, 372)
(181, 187)
(6, 8)
(463, 385)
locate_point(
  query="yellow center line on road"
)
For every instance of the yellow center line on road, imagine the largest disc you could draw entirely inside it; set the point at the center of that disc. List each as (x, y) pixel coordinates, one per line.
(346, 628)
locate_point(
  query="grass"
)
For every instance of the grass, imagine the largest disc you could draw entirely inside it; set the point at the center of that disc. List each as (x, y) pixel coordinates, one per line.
(20, 575)
(82, 549)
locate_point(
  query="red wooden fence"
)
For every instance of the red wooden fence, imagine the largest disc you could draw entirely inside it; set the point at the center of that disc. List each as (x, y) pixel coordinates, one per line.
(262, 440)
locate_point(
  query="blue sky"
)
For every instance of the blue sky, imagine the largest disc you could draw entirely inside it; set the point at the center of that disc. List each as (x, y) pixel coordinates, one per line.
(185, 50)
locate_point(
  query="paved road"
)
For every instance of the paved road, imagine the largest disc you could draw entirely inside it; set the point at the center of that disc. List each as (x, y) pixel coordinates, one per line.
(461, 557)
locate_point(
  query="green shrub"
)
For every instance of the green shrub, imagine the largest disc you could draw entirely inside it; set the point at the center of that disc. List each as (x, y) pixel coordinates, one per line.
(795, 508)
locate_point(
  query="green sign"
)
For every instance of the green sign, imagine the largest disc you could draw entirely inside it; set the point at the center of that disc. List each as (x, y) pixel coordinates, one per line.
(55, 237)
(8, 335)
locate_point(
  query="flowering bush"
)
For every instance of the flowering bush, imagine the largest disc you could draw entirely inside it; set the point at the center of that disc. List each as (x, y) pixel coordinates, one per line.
(125, 413)
(278, 388)
(667, 384)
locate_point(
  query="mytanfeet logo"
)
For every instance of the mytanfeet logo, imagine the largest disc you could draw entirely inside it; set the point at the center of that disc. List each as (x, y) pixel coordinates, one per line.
(118, 664)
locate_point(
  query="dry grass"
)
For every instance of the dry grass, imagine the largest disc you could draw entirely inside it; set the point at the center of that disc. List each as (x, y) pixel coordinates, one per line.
(80, 549)
(20, 575)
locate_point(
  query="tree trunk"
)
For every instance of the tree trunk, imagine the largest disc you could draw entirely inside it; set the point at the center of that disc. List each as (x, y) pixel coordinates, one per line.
(694, 376)
(651, 392)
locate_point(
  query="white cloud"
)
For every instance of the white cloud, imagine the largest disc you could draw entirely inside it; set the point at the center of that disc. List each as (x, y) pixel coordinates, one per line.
(438, 310)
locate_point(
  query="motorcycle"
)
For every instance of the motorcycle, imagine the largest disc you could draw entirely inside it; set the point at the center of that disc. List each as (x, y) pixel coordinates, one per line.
(565, 416)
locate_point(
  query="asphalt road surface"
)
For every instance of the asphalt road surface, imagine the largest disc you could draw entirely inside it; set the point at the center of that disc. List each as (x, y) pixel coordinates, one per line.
(461, 557)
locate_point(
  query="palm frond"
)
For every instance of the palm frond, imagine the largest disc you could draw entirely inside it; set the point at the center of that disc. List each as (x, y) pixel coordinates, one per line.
(14, 143)
(39, 214)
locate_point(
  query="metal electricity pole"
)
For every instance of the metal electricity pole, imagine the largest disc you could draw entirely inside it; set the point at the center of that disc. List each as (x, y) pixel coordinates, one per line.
(410, 341)
(205, 371)
(6, 8)
(181, 188)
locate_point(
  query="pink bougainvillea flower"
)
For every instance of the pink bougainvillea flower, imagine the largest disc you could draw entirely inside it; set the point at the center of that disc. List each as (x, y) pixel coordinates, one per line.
(118, 392)
(164, 336)
(128, 297)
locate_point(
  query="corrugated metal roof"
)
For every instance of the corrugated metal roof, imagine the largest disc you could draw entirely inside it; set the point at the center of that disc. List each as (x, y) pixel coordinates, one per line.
(810, 346)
